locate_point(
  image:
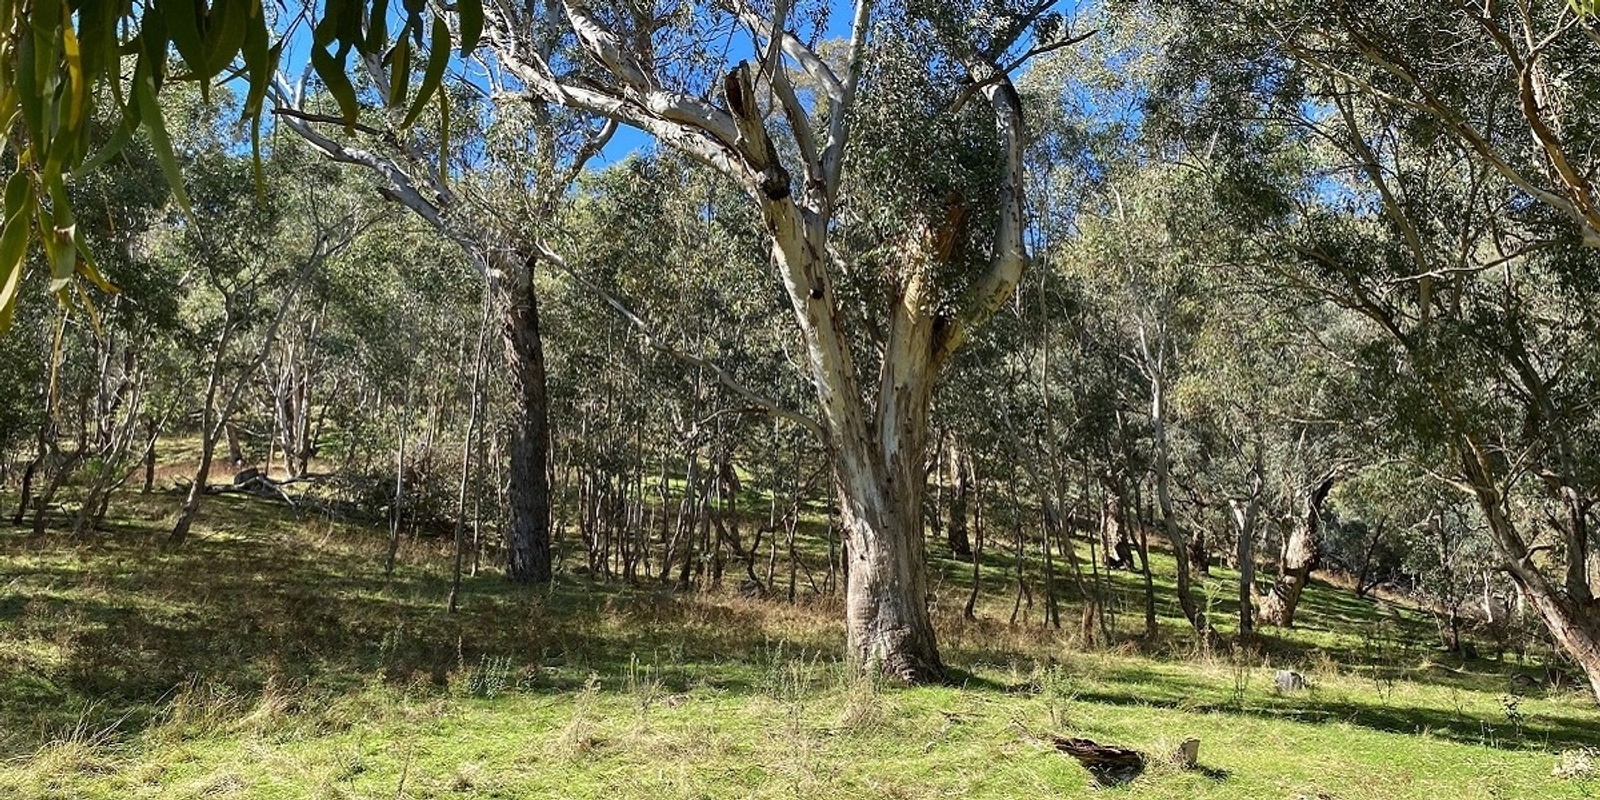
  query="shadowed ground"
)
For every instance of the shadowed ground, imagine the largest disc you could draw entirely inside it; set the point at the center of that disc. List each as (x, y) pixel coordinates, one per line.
(271, 657)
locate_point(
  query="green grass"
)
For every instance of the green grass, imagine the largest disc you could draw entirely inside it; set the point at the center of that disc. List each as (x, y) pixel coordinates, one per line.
(271, 658)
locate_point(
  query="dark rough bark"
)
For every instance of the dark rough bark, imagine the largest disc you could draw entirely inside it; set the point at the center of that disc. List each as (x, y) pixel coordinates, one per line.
(1300, 556)
(1247, 581)
(25, 493)
(152, 432)
(1200, 553)
(1116, 544)
(528, 534)
(235, 449)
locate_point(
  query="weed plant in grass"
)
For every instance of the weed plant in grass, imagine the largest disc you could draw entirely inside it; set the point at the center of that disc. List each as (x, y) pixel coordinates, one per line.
(271, 658)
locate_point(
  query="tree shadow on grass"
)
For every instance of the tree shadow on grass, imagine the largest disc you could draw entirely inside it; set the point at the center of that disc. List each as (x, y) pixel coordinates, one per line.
(1537, 734)
(125, 623)
(128, 622)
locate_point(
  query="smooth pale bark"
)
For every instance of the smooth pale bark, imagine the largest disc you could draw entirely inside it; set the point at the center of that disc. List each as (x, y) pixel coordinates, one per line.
(398, 509)
(1244, 517)
(1153, 348)
(473, 417)
(1246, 514)
(1301, 551)
(1150, 627)
(1175, 538)
(880, 475)
(960, 488)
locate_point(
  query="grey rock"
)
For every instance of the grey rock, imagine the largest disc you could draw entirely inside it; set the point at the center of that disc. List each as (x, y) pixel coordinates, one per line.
(1287, 680)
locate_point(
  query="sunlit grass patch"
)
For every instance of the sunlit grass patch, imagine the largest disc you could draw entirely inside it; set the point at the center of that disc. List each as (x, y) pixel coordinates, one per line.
(271, 657)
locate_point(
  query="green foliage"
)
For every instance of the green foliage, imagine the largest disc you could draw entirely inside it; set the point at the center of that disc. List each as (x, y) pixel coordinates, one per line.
(60, 65)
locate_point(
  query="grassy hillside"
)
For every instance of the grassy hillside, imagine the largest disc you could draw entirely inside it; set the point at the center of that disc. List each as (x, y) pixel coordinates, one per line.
(271, 658)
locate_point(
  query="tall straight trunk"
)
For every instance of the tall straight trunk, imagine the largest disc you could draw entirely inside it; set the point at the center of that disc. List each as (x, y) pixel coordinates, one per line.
(1300, 555)
(152, 433)
(528, 534)
(971, 612)
(1139, 520)
(397, 510)
(960, 481)
(1052, 609)
(473, 414)
(1023, 591)
(1245, 513)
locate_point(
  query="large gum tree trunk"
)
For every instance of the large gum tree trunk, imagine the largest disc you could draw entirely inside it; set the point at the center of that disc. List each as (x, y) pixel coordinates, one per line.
(1300, 555)
(528, 532)
(886, 610)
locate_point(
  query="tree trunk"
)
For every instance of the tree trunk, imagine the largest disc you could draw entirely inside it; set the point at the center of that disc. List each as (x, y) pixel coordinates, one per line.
(528, 534)
(1169, 521)
(25, 491)
(1300, 556)
(473, 414)
(1150, 626)
(1116, 552)
(1200, 553)
(886, 612)
(209, 431)
(152, 433)
(1572, 621)
(971, 612)
(960, 480)
(235, 449)
(397, 508)
(1244, 517)
(197, 489)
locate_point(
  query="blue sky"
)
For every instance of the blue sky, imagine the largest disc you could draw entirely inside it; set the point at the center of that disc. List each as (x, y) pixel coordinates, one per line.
(627, 140)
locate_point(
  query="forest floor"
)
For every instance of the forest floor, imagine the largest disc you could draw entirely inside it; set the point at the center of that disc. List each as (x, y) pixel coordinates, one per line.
(271, 658)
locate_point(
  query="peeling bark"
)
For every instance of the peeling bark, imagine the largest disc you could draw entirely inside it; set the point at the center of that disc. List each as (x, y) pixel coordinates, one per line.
(1301, 552)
